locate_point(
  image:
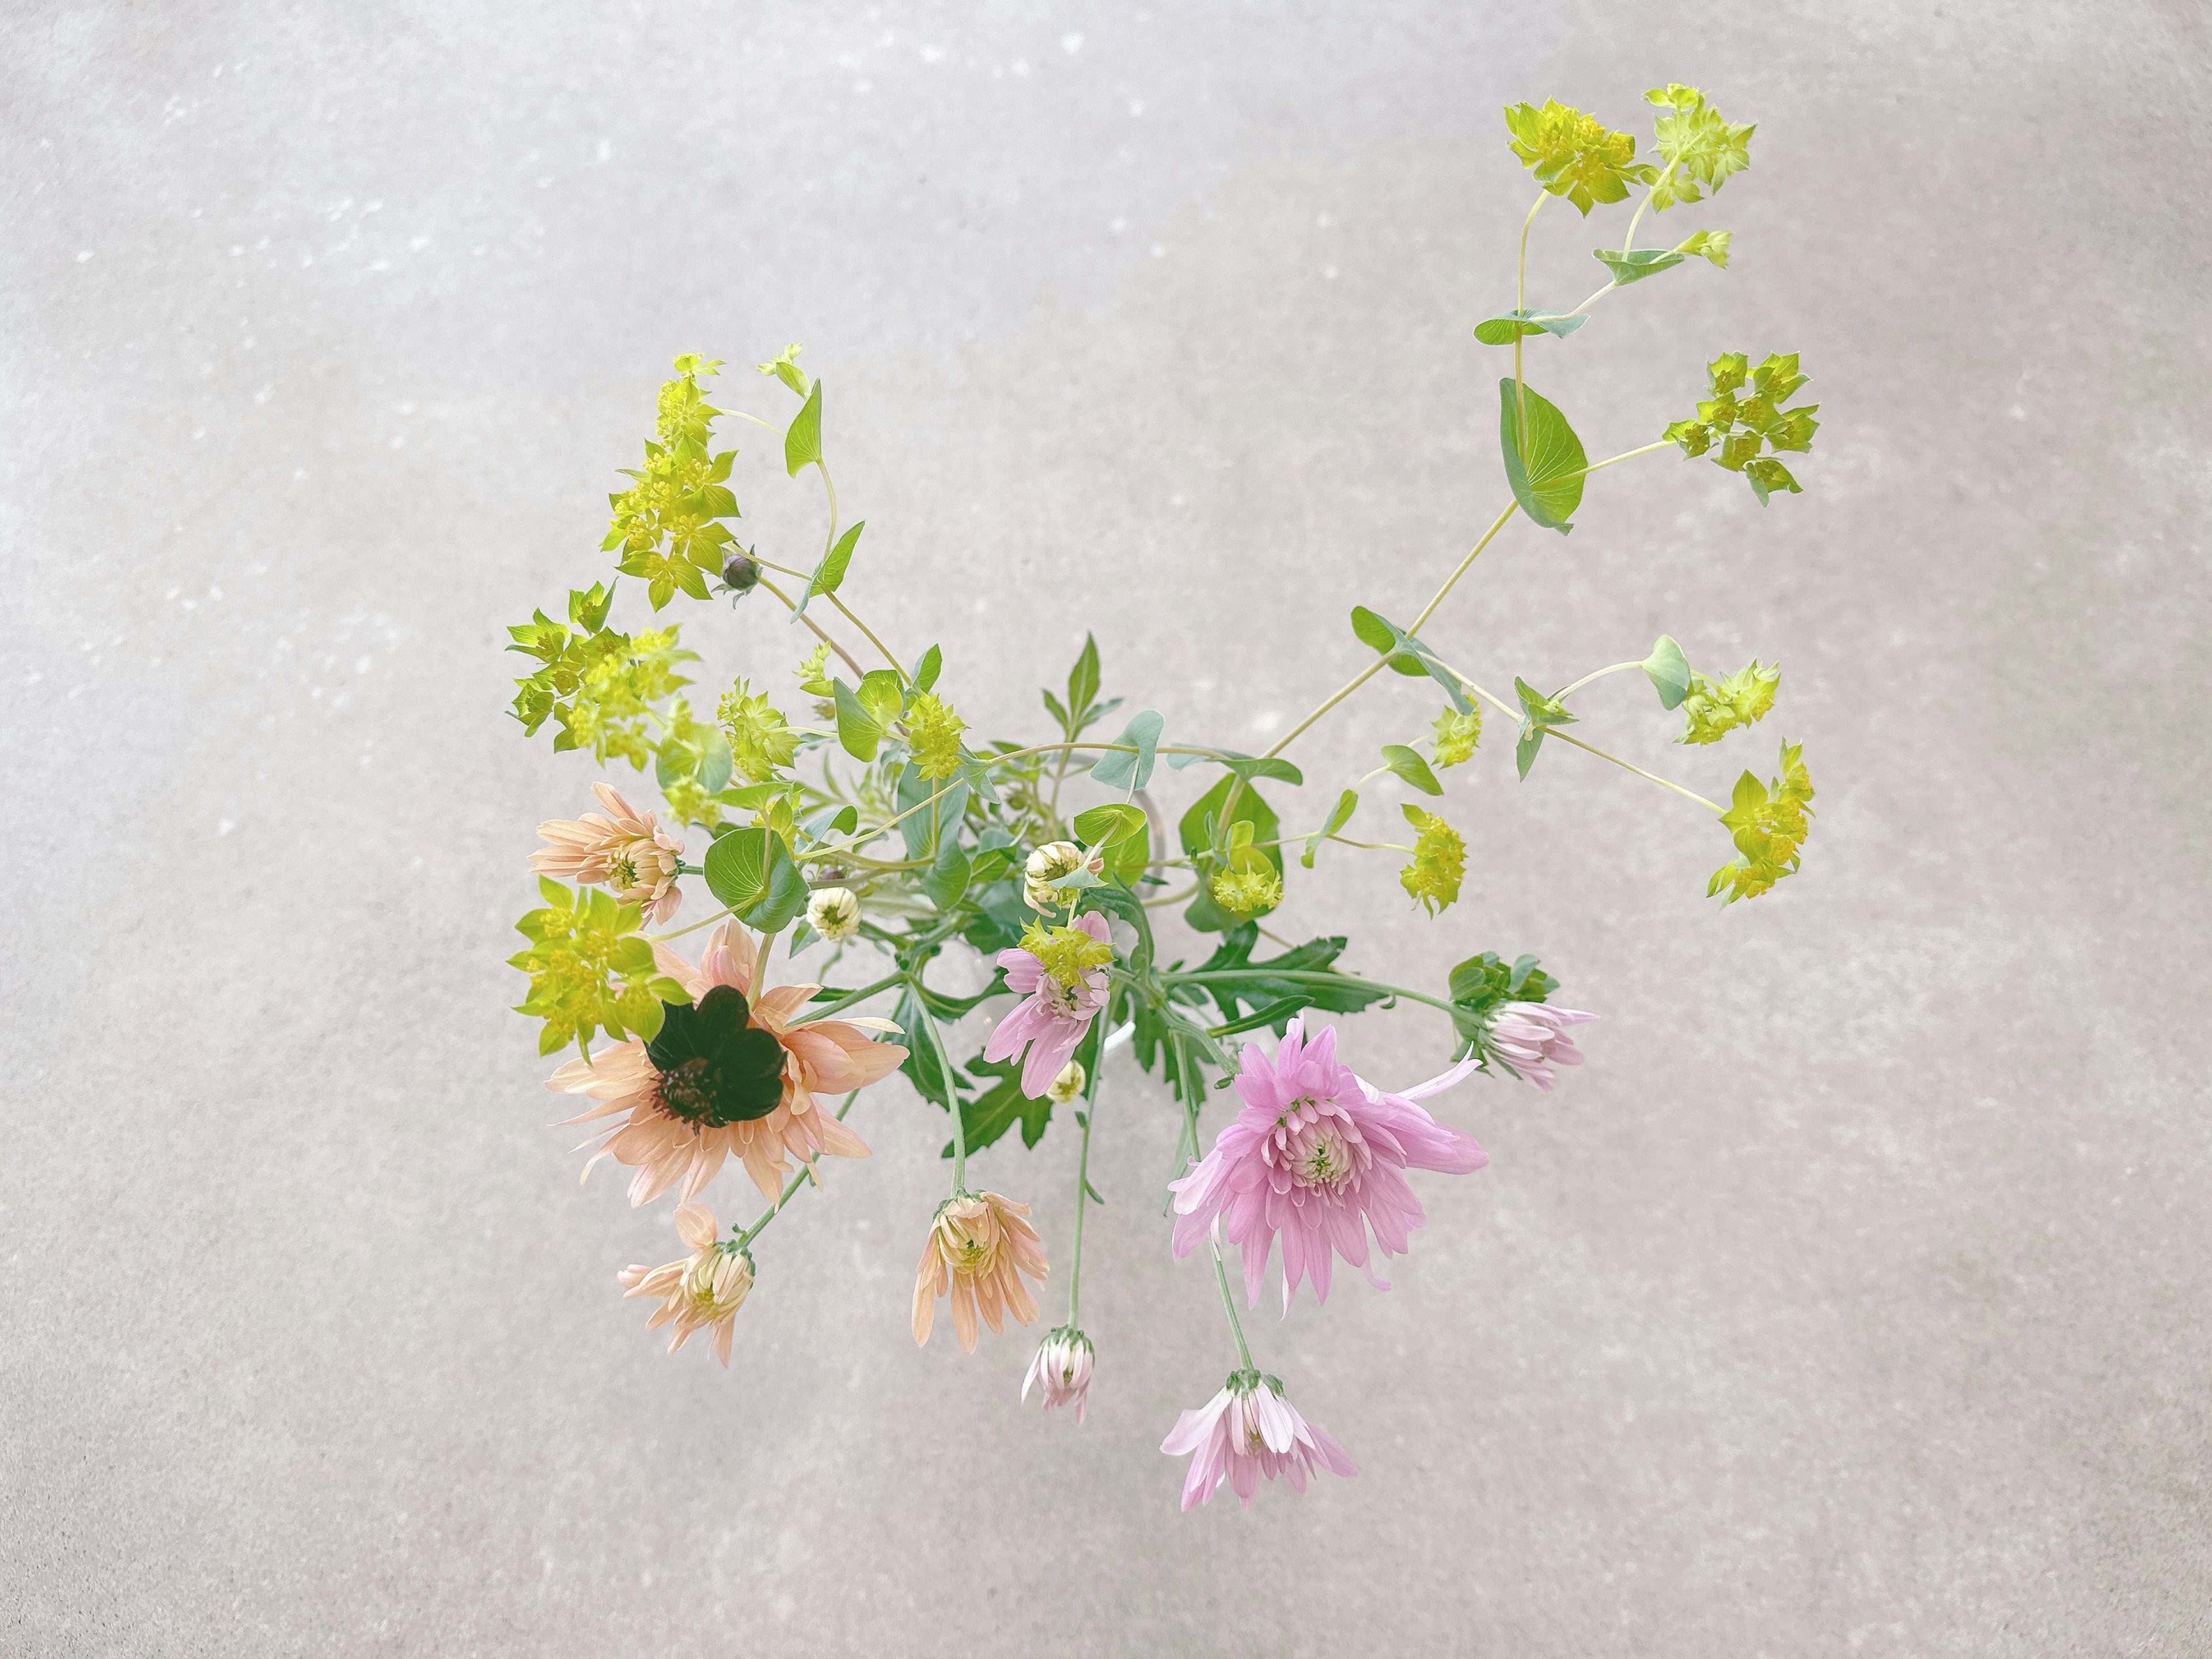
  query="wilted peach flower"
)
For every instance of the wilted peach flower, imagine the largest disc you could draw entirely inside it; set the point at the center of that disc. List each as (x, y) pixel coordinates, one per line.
(704, 1290)
(629, 852)
(728, 1077)
(979, 1246)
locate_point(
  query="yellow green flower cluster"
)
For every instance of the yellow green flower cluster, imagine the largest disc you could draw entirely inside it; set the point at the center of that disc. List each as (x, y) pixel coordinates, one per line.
(1742, 426)
(1769, 823)
(762, 742)
(580, 941)
(1066, 954)
(1457, 734)
(1439, 861)
(933, 732)
(668, 524)
(1716, 709)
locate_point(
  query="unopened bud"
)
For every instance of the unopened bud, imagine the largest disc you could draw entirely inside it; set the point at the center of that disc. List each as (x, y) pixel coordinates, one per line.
(1068, 1085)
(739, 574)
(833, 912)
(1047, 865)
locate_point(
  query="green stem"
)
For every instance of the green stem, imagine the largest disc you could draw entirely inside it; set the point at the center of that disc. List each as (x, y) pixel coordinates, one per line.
(823, 467)
(1520, 303)
(1229, 1304)
(1561, 696)
(852, 997)
(784, 599)
(1083, 1169)
(1629, 241)
(951, 1094)
(790, 1187)
(1612, 460)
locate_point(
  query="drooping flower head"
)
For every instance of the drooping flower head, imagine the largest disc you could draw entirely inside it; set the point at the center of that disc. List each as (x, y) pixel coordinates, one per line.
(730, 1075)
(1247, 1433)
(1062, 1369)
(704, 1290)
(1531, 1037)
(978, 1248)
(1060, 973)
(625, 849)
(1318, 1155)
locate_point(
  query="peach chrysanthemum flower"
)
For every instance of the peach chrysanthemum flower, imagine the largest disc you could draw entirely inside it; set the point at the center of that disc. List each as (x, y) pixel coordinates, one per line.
(629, 852)
(978, 1248)
(729, 1076)
(704, 1290)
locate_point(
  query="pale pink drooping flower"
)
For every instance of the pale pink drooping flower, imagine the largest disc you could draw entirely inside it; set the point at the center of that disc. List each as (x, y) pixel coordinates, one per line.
(1051, 1017)
(1531, 1037)
(629, 851)
(1247, 1433)
(701, 1292)
(1318, 1155)
(663, 1128)
(1062, 1370)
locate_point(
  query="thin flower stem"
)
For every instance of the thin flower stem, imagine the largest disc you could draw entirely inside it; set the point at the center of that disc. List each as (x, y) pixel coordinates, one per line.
(1229, 1303)
(1430, 609)
(816, 627)
(831, 489)
(951, 1094)
(1520, 303)
(1505, 707)
(1597, 674)
(1082, 1175)
(1172, 899)
(1629, 241)
(790, 1187)
(852, 997)
(1610, 460)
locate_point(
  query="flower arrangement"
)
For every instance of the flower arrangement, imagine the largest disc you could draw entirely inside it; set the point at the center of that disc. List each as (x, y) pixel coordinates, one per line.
(872, 826)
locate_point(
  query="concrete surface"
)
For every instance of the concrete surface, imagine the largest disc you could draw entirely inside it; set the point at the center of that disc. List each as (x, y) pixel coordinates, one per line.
(1852, 1300)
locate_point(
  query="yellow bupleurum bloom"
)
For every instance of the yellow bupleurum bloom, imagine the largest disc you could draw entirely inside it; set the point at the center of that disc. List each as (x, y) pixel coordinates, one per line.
(1250, 891)
(1457, 734)
(1439, 861)
(1066, 954)
(761, 742)
(1769, 823)
(933, 732)
(1715, 708)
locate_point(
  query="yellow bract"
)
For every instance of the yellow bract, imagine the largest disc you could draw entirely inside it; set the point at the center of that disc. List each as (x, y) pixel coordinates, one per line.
(1065, 953)
(933, 732)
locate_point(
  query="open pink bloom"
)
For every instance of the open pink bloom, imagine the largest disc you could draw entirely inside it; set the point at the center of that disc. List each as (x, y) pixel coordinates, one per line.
(1051, 1017)
(1062, 1370)
(629, 852)
(679, 1125)
(1247, 1433)
(1317, 1155)
(1532, 1037)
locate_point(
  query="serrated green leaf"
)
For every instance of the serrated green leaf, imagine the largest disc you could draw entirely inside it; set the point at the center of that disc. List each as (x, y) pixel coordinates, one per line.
(1548, 485)
(1668, 671)
(1118, 768)
(1513, 326)
(802, 439)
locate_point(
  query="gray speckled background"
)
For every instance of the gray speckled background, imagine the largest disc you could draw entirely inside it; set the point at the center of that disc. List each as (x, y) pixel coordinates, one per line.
(1853, 1300)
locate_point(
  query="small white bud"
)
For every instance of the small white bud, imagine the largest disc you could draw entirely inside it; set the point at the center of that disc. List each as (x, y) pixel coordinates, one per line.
(833, 912)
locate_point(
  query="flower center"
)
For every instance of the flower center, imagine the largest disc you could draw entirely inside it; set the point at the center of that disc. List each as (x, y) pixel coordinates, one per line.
(1320, 1150)
(622, 870)
(716, 1066)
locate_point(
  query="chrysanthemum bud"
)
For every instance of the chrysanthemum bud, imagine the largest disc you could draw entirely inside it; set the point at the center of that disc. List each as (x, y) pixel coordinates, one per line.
(833, 912)
(1062, 1369)
(739, 574)
(1068, 1085)
(1048, 865)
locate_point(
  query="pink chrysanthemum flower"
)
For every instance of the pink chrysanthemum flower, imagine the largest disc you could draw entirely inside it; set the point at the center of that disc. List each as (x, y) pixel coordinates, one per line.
(1317, 1155)
(1062, 990)
(1247, 1433)
(629, 852)
(1062, 1370)
(701, 1292)
(1531, 1037)
(729, 1076)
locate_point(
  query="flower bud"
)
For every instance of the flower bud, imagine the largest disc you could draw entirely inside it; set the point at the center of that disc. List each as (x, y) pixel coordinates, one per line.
(740, 573)
(1048, 865)
(1068, 1085)
(833, 912)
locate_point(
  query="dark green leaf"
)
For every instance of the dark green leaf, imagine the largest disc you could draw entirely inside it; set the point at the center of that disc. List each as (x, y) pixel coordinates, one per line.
(986, 1119)
(1272, 1014)
(1548, 485)
(946, 878)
